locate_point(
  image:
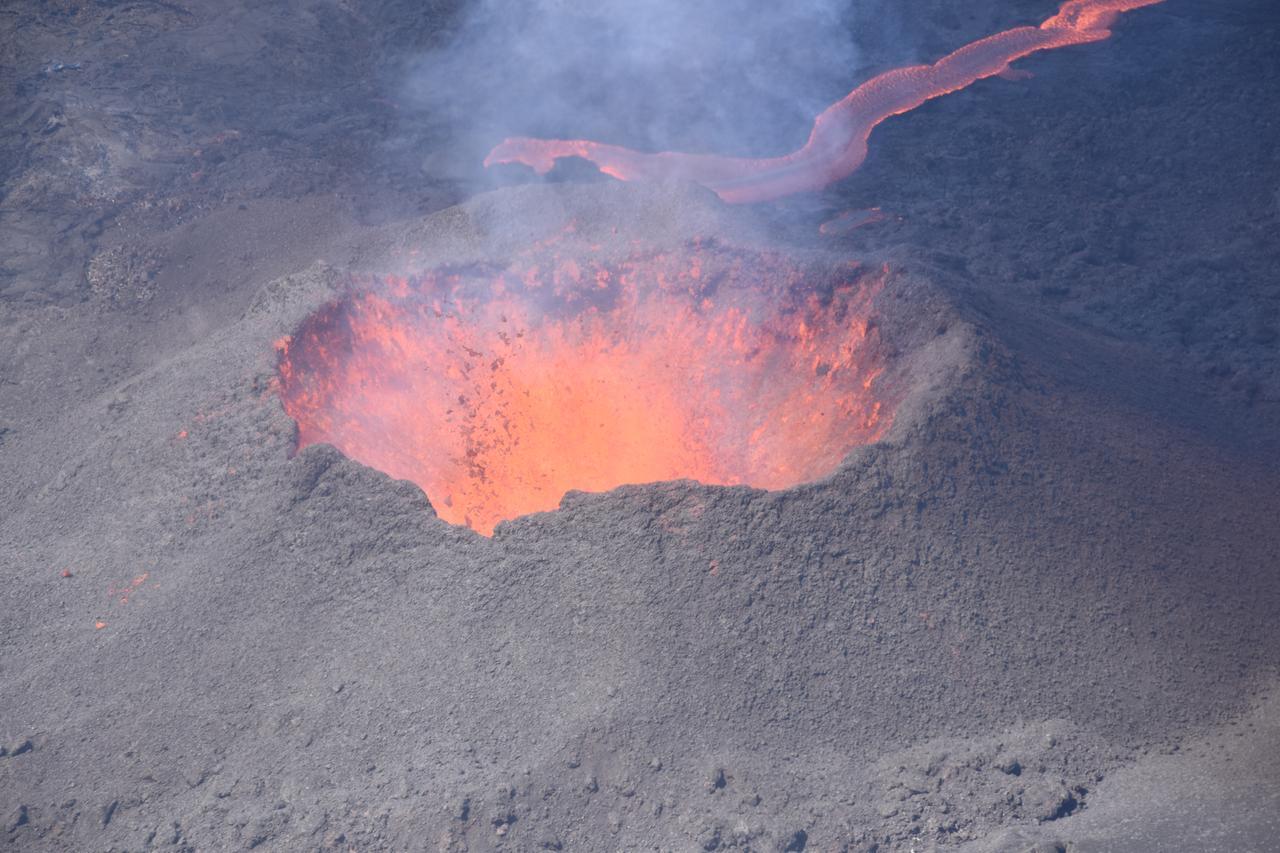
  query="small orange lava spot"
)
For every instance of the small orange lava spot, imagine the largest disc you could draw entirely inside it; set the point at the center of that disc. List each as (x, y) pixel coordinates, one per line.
(123, 594)
(715, 568)
(66, 573)
(99, 625)
(182, 434)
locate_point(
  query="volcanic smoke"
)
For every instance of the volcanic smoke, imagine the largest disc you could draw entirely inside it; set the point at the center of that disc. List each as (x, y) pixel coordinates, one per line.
(837, 145)
(497, 390)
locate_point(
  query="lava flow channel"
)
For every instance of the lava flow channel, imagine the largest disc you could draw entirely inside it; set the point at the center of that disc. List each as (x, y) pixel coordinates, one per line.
(838, 143)
(498, 390)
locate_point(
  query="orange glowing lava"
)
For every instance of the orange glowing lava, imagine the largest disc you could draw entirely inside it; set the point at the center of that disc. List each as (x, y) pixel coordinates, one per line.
(838, 143)
(499, 389)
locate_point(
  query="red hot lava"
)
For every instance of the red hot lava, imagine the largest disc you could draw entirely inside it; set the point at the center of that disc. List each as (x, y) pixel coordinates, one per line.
(499, 389)
(838, 143)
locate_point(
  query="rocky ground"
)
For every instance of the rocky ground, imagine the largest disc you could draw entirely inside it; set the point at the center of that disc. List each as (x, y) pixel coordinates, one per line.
(1039, 615)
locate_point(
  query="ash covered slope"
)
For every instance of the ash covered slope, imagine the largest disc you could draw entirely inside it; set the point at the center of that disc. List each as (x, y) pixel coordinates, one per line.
(1217, 792)
(1030, 573)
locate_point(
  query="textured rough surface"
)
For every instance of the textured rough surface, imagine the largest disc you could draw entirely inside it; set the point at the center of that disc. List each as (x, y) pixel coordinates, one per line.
(1040, 615)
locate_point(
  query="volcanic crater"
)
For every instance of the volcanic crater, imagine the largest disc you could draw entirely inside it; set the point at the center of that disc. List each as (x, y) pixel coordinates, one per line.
(706, 362)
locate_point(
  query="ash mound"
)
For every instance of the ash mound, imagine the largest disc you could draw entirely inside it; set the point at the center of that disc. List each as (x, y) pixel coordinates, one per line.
(1034, 576)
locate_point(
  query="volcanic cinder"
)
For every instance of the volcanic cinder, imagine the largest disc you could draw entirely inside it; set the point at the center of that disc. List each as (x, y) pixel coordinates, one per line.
(945, 527)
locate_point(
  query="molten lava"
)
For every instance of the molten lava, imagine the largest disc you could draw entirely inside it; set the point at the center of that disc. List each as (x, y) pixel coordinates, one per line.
(838, 143)
(499, 389)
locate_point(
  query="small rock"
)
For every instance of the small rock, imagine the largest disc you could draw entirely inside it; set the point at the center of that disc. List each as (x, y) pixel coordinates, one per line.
(709, 838)
(17, 747)
(16, 819)
(615, 821)
(794, 842)
(1011, 766)
(913, 783)
(258, 834)
(592, 785)
(1047, 801)
(655, 764)
(109, 811)
(716, 779)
